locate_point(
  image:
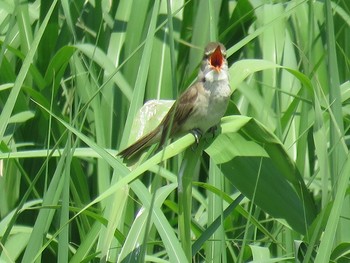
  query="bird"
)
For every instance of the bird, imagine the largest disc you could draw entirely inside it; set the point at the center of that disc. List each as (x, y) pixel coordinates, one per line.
(198, 109)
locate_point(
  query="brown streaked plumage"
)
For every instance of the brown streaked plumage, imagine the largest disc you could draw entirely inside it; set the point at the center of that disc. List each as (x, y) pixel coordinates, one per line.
(198, 108)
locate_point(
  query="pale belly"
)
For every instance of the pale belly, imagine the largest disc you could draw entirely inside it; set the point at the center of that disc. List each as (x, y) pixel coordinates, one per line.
(210, 108)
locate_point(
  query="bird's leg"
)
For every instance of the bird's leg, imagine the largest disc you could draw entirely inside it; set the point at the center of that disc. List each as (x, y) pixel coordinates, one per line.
(197, 133)
(213, 130)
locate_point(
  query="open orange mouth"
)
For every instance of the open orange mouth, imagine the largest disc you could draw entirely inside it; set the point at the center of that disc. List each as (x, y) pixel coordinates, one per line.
(217, 59)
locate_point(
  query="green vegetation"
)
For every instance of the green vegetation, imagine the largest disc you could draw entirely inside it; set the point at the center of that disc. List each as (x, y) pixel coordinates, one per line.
(272, 186)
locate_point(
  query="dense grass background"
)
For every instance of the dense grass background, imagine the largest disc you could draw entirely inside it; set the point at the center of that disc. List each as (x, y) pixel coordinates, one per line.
(271, 187)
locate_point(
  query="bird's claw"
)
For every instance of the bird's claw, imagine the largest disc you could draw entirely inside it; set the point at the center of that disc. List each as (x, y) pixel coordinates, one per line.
(197, 134)
(213, 130)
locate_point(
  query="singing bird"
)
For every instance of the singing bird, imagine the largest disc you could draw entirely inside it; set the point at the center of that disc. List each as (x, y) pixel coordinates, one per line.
(199, 108)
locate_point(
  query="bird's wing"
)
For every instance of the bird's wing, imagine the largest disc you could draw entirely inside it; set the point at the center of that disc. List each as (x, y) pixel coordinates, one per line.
(179, 112)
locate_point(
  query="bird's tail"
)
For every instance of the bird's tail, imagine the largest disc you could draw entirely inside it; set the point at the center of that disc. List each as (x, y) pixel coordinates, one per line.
(141, 144)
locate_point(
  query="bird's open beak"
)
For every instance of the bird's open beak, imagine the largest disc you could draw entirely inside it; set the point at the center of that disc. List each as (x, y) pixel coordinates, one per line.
(216, 59)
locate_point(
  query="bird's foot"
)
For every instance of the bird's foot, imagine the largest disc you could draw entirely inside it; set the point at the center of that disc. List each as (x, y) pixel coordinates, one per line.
(213, 130)
(197, 133)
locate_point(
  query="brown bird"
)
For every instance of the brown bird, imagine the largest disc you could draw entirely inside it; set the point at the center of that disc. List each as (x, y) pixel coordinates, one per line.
(198, 108)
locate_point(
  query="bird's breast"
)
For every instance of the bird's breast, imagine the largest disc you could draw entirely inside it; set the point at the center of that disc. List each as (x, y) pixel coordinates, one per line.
(209, 107)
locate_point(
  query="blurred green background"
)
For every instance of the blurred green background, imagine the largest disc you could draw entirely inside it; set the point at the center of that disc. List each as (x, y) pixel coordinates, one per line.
(273, 186)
